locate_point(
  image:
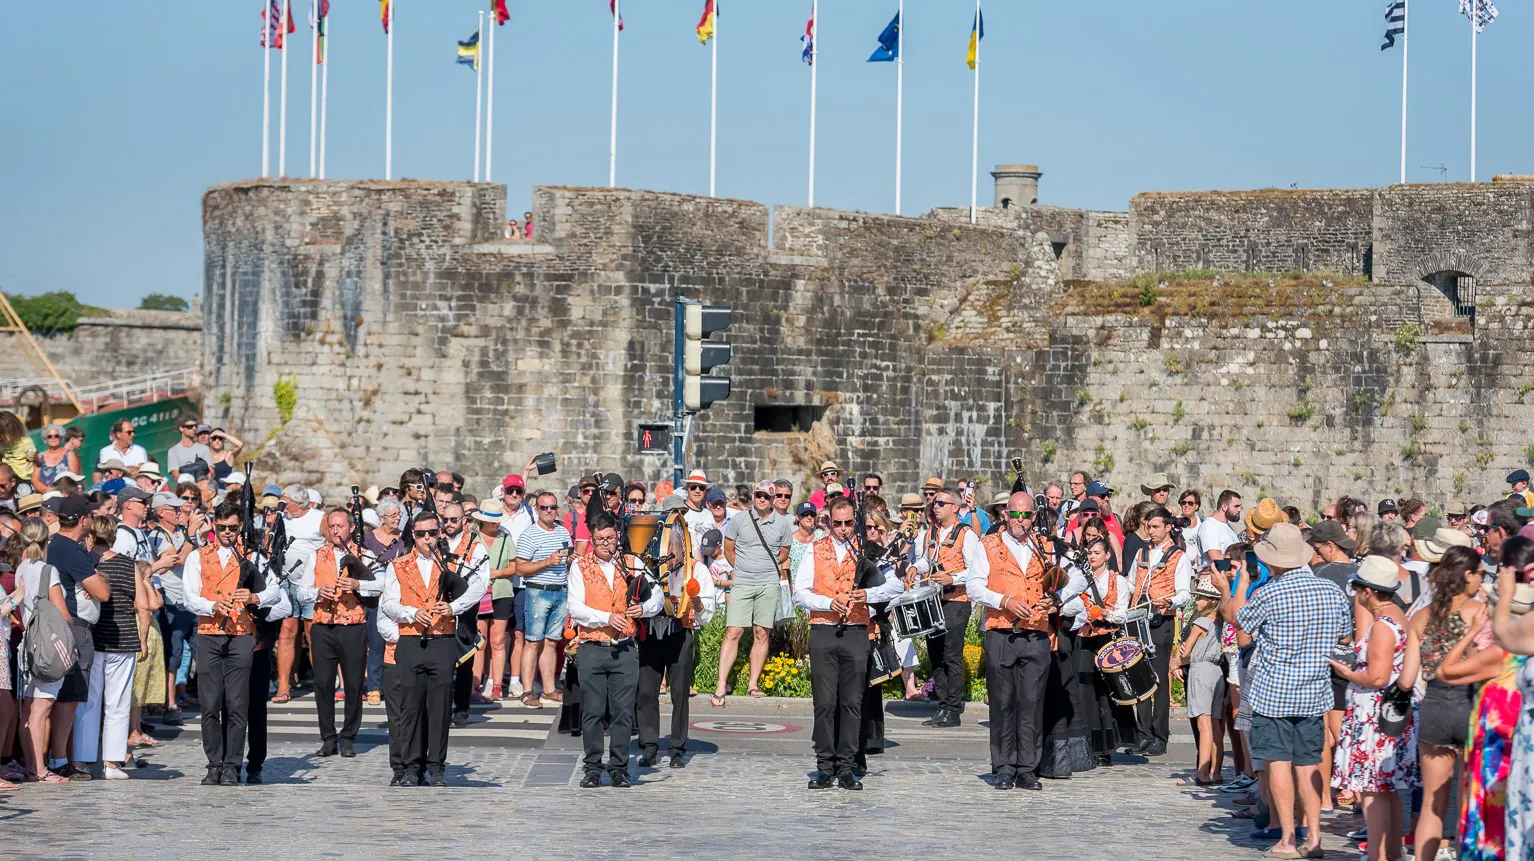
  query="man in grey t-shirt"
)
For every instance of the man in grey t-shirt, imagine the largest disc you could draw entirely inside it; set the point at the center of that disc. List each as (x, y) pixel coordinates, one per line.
(756, 545)
(189, 449)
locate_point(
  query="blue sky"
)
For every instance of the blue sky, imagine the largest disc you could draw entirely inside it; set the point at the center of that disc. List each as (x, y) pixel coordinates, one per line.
(116, 123)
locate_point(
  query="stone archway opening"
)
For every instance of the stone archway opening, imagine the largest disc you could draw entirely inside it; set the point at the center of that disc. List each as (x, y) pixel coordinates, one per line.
(1459, 288)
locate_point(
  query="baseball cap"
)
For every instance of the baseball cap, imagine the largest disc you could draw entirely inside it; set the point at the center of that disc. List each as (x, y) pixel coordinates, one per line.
(715, 495)
(315, 498)
(513, 480)
(165, 500)
(71, 506)
(763, 486)
(834, 489)
(131, 493)
(1098, 488)
(711, 541)
(113, 463)
(202, 429)
(1386, 505)
(112, 485)
(1331, 532)
(271, 490)
(804, 508)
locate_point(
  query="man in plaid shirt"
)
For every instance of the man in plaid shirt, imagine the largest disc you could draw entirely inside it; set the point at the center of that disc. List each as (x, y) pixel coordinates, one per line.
(1294, 622)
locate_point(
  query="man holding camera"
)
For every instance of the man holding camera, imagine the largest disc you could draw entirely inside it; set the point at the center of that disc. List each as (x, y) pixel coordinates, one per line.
(543, 551)
(1162, 577)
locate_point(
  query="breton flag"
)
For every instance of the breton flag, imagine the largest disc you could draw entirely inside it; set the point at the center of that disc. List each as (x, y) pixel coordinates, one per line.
(468, 52)
(706, 23)
(1395, 23)
(319, 14)
(612, 5)
(976, 33)
(1483, 13)
(502, 14)
(383, 13)
(889, 43)
(272, 31)
(809, 40)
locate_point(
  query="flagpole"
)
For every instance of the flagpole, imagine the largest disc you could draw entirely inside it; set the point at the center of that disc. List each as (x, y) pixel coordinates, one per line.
(479, 80)
(490, 103)
(282, 120)
(899, 98)
(266, 92)
(974, 146)
(314, 81)
(324, 96)
(1473, 12)
(814, 70)
(612, 143)
(713, 107)
(389, 99)
(1405, 50)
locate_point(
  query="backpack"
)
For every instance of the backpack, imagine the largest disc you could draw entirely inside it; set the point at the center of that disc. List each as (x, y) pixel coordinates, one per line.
(49, 641)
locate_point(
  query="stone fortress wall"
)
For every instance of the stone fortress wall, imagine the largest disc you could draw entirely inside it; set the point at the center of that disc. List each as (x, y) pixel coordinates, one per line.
(1377, 349)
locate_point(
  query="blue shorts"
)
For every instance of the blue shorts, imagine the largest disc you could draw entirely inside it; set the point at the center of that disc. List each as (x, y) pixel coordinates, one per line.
(519, 611)
(545, 619)
(301, 611)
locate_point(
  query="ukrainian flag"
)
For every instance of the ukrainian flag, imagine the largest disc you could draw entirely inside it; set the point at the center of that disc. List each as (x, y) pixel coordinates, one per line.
(468, 52)
(706, 23)
(976, 33)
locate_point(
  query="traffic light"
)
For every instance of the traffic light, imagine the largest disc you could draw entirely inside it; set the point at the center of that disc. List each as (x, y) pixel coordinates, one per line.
(700, 389)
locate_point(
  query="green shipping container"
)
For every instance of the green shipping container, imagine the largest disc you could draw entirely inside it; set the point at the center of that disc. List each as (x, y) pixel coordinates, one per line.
(156, 425)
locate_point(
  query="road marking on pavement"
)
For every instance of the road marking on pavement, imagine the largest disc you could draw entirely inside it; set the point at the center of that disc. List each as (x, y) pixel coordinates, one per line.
(744, 726)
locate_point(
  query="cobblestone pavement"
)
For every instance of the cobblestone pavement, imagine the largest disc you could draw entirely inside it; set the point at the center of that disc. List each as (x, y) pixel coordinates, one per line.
(732, 799)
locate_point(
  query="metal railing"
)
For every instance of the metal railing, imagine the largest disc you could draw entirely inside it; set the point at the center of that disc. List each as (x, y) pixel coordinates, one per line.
(102, 396)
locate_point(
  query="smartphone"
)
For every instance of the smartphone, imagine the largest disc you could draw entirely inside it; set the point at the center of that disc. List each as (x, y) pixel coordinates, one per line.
(1222, 564)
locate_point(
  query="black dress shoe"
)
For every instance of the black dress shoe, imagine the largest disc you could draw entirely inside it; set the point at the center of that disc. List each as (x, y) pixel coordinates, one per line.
(947, 719)
(460, 720)
(821, 780)
(348, 748)
(874, 751)
(1029, 781)
(647, 759)
(1157, 747)
(678, 761)
(215, 776)
(327, 748)
(408, 777)
(621, 780)
(399, 776)
(1105, 759)
(253, 778)
(421, 780)
(434, 777)
(229, 777)
(941, 713)
(1003, 783)
(848, 780)
(1144, 746)
(592, 780)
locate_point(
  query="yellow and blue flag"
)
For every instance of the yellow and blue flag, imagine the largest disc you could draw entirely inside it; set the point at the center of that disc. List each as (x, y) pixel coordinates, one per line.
(468, 52)
(976, 33)
(889, 43)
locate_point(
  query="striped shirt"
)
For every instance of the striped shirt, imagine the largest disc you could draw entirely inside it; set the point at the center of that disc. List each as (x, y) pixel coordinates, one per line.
(536, 544)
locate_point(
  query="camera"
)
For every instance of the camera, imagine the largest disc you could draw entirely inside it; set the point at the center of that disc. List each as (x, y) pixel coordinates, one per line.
(1222, 564)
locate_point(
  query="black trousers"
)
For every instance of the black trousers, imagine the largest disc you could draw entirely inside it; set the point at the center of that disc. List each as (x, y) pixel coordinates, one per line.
(609, 687)
(393, 698)
(463, 687)
(426, 703)
(223, 687)
(838, 679)
(1016, 669)
(261, 672)
(342, 647)
(1154, 715)
(945, 652)
(672, 655)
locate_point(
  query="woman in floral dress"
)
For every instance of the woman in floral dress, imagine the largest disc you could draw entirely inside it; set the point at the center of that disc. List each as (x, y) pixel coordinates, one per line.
(1367, 761)
(1508, 702)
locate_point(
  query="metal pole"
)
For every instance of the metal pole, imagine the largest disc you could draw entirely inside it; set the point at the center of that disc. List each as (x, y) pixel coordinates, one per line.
(612, 143)
(814, 70)
(324, 96)
(974, 150)
(282, 121)
(266, 94)
(479, 80)
(314, 85)
(899, 98)
(389, 99)
(713, 107)
(678, 411)
(1473, 36)
(1405, 49)
(490, 106)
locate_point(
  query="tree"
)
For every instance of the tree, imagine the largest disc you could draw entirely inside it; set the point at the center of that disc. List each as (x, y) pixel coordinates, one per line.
(48, 313)
(162, 302)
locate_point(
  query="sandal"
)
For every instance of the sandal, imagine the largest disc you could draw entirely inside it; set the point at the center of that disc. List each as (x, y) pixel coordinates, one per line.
(49, 777)
(142, 740)
(757, 693)
(281, 698)
(717, 701)
(7, 786)
(917, 697)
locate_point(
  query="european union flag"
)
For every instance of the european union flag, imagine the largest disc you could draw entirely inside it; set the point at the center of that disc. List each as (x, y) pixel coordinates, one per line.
(889, 43)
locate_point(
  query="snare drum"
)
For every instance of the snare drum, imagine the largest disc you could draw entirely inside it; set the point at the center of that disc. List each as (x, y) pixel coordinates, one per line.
(886, 662)
(918, 611)
(1127, 670)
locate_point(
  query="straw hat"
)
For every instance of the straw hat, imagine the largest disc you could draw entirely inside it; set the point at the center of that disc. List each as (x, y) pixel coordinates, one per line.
(1157, 482)
(490, 511)
(1433, 549)
(911, 502)
(1283, 547)
(933, 483)
(1379, 573)
(1265, 516)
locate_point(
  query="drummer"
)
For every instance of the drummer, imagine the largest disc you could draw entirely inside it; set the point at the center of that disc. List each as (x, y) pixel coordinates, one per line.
(1008, 579)
(945, 552)
(1098, 610)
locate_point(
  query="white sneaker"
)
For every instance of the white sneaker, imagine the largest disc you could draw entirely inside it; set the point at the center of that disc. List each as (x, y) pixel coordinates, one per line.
(484, 689)
(516, 687)
(112, 772)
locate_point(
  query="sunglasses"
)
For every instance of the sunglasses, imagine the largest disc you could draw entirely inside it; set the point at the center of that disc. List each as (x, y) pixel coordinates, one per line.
(761, 496)
(416, 485)
(127, 433)
(189, 427)
(517, 490)
(782, 496)
(548, 508)
(1020, 515)
(716, 505)
(637, 500)
(942, 504)
(427, 533)
(1188, 502)
(53, 436)
(843, 522)
(227, 527)
(451, 519)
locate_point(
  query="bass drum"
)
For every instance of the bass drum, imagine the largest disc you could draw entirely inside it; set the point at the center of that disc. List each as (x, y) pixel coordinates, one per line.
(1126, 668)
(675, 541)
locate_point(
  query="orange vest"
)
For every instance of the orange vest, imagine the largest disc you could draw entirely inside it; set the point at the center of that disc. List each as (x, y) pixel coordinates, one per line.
(348, 609)
(602, 597)
(1100, 626)
(465, 546)
(836, 580)
(1162, 579)
(950, 556)
(414, 593)
(389, 653)
(219, 582)
(1008, 578)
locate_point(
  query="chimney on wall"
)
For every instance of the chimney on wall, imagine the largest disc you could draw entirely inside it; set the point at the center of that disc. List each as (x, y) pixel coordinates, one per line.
(1016, 185)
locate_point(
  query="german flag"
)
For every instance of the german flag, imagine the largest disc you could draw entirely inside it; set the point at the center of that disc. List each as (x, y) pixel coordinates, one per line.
(706, 23)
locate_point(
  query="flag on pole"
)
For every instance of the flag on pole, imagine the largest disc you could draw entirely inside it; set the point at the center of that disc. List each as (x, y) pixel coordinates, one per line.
(383, 12)
(706, 23)
(889, 43)
(468, 52)
(809, 40)
(613, 6)
(1395, 23)
(502, 14)
(1483, 12)
(272, 31)
(319, 14)
(976, 33)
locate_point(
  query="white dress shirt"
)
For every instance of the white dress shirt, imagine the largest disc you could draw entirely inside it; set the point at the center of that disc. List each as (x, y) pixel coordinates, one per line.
(191, 580)
(1182, 577)
(804, 582)
(1073, 607)
(589, 617)
(969, 546)
(977, 583)
(389, 600)
(707, 599)
(306, 585)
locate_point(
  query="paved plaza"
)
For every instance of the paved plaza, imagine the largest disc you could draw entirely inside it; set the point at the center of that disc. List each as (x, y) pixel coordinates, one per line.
(742, 794)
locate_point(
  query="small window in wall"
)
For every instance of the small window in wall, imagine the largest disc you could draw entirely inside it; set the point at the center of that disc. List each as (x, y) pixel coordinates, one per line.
(786, 419)
(1459, 288)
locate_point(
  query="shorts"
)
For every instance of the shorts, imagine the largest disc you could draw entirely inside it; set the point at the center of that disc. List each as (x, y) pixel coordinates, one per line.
(1296, 740)
(1444, 714)
(1340, 695)
(546, 610)
(503, 609)
(301, 611)
(752, 606)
